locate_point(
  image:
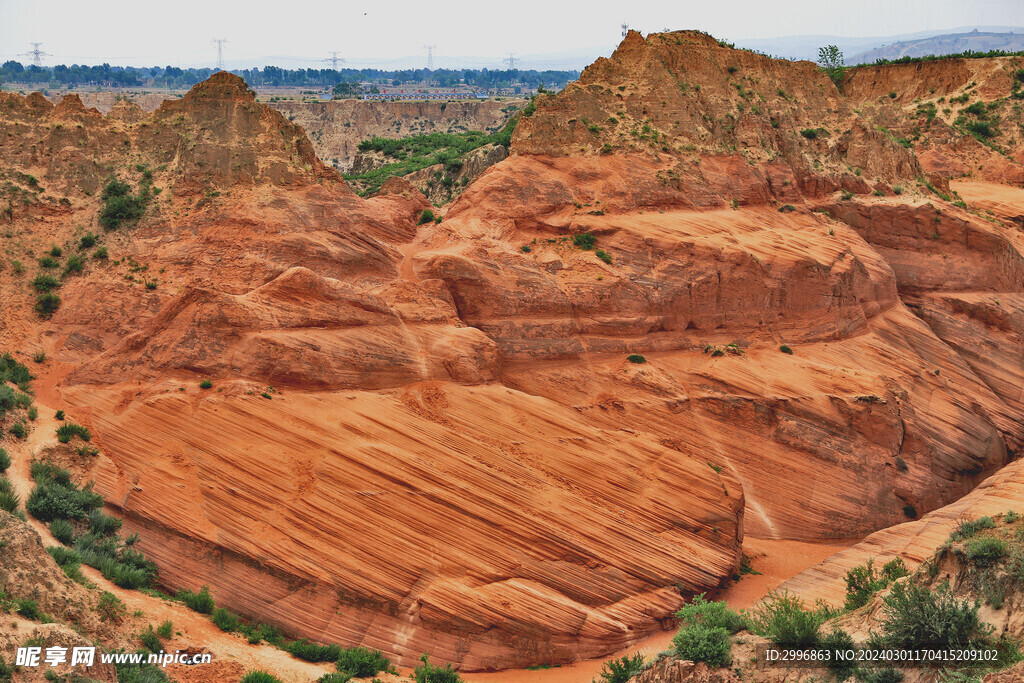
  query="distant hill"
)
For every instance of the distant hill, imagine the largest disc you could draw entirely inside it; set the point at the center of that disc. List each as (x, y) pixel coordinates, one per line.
(950, 43)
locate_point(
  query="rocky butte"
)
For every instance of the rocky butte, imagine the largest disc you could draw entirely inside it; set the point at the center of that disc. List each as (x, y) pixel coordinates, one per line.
(429, 438)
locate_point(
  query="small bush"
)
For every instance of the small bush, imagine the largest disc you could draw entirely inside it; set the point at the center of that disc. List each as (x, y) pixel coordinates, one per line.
(103, 524)
(986, 551)
(362, 662)
(48, 262)
(916, 617)
(88, 241)
(426, 217)
(839, 640)
(45, 282)
(787, 208)
(584, 240)
(52, 500)
(604, 256)
(9, 500)
(901, 464)
(151, 640)
(313, 652)
(63, 531)
(201, 602)
(206, 384)
(111, 608)
(429, 673)
(259, 677)
(19, 431)
(166, 630)
(880, 676)
(1010, 517)
(47, 304)
(622, 669)
(716, 614)
(28, 609)
(786, 349)
(783, 619)
(864, 581)
(636, 358)
(335, 677)
(59, 415)
(700, 643)
(68, 430)
(5, 461)
(56, 252)
(225, 620)
(971, 527)
(101, 253)
(74, 265)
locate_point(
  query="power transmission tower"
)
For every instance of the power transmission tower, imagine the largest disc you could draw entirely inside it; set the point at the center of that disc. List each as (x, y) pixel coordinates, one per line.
(430, 56)
(36, 54)
(625, 29)
(335, 60)
(219, 42)
(511, 61)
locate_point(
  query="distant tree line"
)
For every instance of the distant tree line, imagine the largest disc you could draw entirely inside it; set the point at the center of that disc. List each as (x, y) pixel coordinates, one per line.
(13, 72)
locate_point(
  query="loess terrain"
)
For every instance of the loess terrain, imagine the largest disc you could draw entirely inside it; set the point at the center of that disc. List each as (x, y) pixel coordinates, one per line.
(708, 295)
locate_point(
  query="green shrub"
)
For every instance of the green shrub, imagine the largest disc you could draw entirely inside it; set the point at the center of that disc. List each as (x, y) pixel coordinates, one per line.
(151, 640)
(166, 630)
(335, 677)
(47, 304)
(120, 207)
(786, 349)
(68, 430)
(111, 608)
(88, 241)
(206, 384)
(971, 527)
(14, 372)
(986, 551)
(700, 643)
(839, 640)
(636, 358)
(63, 531)
(9, 500)
(584, 240)
(787, 208)
(1010, 517)
(715, 614)
(916, 617)
(103, 524)
(362, 662)
(880, 676)
(75, 264)
(313, 652)
(257, 677)
(604, 256)
(59, 415)
(783, 619)
(101, 253)
(622, 669)
(225, 620)
(45, 282)
(864, 581)
(28, 609)
(5, 461)
(429, 673)
(56, 252)
(33, 413)
(201, 602)
(426, 217)
(49, 262)
(52, 500)
(18, 430)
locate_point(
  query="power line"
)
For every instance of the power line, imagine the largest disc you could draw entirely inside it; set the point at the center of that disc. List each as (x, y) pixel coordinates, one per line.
(430, 56)
(510, 61)
(219, 42)
(36, 54)
(335, 60)
(625, 29)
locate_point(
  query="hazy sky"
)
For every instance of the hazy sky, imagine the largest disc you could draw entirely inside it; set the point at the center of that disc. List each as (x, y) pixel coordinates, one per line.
(180, 31)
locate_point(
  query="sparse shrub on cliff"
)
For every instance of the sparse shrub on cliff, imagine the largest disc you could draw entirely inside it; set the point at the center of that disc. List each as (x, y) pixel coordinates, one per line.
(5, 461)
(787, 208)
(986, 551)
(151, 640)
(783, 619)
(429, 673)
(14, 372)
(206, 384)
(622, 669)
(699, 643)
(969, 528)
(584, 240)
(426, 217)
(337, 677)
(88, 241)
(313, 652)
(786, 349)
(19, 431)
(55, 496)
(74, 265)
(362, 662)
(48, 262)
(44, 282)
(863, 581)
(201, 602)
(525, 249)
(9, 500)
(1010, 517)
(120, 206)
(225, 620)
(101, 253)
(846, 195)
(910, 511)
(636, 358)
(604, 256)
(69, 430)
(901, 464)
(839, 640)
(166, 629)
(111, 608)
(47, 304)
(63, 531)
(915, 617)
(832, 62)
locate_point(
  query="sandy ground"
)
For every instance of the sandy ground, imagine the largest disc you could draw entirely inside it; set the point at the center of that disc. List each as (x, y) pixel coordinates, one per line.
(776, 560)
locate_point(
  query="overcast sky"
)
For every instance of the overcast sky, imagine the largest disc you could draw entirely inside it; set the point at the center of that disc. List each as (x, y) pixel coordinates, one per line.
(180, 31)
